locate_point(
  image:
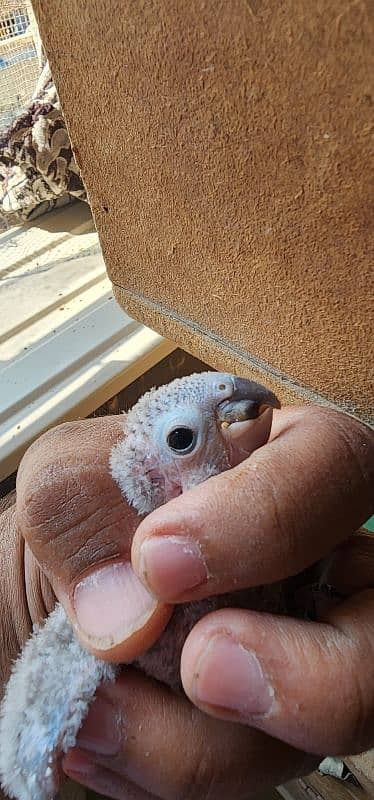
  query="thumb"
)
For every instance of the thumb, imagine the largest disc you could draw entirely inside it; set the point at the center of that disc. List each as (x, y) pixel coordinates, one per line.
(80, 529)
(309, 684)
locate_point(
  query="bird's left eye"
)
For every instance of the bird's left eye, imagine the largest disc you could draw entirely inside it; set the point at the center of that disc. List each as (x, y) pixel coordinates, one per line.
(181, 440)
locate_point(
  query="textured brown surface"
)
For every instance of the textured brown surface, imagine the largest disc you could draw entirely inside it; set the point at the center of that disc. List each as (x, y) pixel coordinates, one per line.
(321, 787)
(226, 149)
(362, 767)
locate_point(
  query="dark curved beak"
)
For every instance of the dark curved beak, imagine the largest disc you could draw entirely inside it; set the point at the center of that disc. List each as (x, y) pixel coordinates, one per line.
(246, 417)
(248, 401)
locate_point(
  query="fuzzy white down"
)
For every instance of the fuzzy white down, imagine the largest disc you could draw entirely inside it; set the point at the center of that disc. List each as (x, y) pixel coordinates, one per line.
(46, 700)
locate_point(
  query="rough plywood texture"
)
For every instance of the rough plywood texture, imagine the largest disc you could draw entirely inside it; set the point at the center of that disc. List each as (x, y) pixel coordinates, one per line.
(226, 148)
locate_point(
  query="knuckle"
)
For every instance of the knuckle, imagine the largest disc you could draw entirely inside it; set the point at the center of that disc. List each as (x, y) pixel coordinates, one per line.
(359, 732)
(361, 722)
(200, 780)
(355, 730)
(49, 482)
(37, 471)
(46, 444)
(40, 497)
(199, 773)
(212, 770)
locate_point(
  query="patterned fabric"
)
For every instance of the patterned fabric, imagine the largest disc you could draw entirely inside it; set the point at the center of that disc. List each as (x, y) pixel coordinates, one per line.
(37, 168)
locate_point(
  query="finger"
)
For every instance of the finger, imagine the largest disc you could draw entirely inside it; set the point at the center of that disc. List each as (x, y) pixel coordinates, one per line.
(40, 597)
(311, 685)
(268, 518)
(15, 621)
(139, 730)
(36, 589)
(350, 568)
(79, 529)
(82, 768)
(24, 592)
(347, 570)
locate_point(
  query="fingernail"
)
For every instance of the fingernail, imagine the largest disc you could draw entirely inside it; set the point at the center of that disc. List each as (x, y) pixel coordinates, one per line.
(171, 565)
(111, 604)
(231, 677)
(101, 730)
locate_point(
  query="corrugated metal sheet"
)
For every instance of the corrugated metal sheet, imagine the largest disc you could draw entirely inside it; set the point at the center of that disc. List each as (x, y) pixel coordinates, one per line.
(65, 345)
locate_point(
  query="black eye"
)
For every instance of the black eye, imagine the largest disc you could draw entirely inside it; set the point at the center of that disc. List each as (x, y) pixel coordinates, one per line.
(181, 440)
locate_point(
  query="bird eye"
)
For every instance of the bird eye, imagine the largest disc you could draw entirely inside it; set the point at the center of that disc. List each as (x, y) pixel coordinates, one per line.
(181, 440)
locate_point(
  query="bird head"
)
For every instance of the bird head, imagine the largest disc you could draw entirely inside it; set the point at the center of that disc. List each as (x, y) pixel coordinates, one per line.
(182, 433)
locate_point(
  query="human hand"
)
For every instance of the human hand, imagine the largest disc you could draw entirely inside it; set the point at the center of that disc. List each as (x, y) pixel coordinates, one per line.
(72, 514)
(289, 505)
(26, 596)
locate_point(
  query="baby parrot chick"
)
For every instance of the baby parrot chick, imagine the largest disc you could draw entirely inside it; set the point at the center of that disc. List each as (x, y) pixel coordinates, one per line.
(175, 437)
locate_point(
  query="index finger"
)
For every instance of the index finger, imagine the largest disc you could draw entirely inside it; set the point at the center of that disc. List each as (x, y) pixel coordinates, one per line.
(270, 517)
(154, 739)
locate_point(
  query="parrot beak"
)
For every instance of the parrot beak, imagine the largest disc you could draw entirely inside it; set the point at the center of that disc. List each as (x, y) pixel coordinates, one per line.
(245, 418)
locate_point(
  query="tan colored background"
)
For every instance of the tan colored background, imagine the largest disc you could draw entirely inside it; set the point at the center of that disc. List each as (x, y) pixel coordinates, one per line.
(226, 146)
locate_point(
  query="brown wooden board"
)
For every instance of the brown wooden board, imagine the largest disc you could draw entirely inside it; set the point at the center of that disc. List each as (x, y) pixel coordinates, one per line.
(226, 149)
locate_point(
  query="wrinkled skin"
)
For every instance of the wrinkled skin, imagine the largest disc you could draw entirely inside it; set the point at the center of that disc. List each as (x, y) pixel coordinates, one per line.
(332, 457)
(174, 438)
